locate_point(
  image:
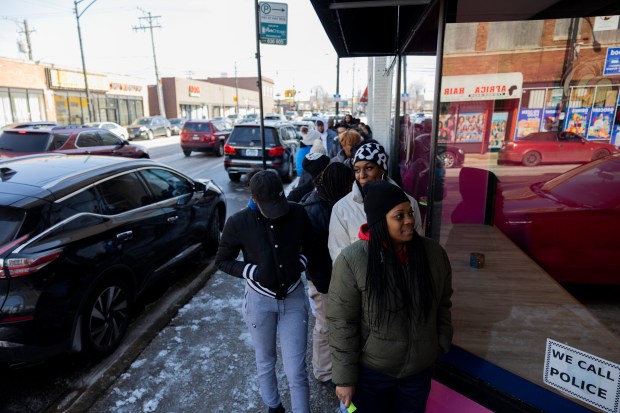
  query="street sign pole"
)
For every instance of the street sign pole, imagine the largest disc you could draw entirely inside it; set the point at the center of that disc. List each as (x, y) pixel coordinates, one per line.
(260, 87)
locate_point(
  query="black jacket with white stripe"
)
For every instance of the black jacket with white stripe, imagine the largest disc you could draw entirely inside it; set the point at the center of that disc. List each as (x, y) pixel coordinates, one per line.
(274, 251)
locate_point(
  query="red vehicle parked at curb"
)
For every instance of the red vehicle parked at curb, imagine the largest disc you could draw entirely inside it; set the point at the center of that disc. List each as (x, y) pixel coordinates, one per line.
(205, 136)
(69, 140)
(553, 147)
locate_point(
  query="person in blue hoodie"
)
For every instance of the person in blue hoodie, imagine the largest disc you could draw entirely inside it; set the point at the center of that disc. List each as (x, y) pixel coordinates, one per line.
(308, 136)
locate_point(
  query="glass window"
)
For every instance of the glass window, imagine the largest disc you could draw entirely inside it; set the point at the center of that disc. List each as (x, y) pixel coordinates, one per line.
(460, 38)
(562, 27)
(109, 139)
(123, 112)
(606, 96)
(515, 35)
(62, 108)
(251, 136)
(20, 105)
(123, 193)
(581, 97)
(88, 139)
(197, 127)
(165, 184)
(85, 201)
(6, 115)
(36, 104)
(11, 220)
(17, 142)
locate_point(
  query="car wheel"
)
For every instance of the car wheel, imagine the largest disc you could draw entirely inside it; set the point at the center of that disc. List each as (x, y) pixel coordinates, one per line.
(106, 316)
(220, 149)
(531, 158)
(149, 135)
(449, 159)
(233, 176)
(601, 153)
(288, 176)
(168, 133)
(212, 242)
(187, 152)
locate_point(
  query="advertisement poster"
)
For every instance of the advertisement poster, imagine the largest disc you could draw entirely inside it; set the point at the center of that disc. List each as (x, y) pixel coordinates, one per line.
(600, 123)
(550, 120)
(577, 120)
(528, 122)
(470, 127)
(447, 128)
(498, 129)
(616, 135)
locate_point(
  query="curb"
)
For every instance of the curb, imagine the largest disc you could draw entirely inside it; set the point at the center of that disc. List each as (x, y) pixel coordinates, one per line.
(82, 394)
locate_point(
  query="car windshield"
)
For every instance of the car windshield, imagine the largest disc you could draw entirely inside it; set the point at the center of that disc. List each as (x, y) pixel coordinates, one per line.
(245, 136)
(24, 142)
(142, 121)
(197, 127)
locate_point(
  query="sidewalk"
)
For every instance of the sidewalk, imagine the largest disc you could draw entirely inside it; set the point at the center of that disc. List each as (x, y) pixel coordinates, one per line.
(203, 361)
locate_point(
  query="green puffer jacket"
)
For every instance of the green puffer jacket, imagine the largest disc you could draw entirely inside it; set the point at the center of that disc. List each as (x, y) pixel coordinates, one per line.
(399, 349)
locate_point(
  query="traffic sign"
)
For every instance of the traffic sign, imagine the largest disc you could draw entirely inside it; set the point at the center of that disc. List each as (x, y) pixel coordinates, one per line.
(404, 97)
(336, 98)
(273, 22)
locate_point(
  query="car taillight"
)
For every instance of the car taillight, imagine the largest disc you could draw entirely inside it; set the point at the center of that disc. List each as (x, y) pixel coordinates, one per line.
(18, 267)
(229, 150)
(277, 151)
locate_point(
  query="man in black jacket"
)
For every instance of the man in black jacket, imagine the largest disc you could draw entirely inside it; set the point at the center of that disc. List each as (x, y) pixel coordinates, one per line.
(272, 233)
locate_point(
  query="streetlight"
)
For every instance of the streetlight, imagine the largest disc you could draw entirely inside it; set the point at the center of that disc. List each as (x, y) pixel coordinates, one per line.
(77, 18)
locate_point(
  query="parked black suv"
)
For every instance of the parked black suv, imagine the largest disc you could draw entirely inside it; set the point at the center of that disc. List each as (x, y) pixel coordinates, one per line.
(81, 237)
(243, 150)
(149, 127)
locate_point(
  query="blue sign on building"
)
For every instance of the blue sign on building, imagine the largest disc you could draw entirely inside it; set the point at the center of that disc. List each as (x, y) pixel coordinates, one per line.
(612, 62)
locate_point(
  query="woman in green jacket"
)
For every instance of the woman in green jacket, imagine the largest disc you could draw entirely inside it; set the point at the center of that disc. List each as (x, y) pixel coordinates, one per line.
(389, 309)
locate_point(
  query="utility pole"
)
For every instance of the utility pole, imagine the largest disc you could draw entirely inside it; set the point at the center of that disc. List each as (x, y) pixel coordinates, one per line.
(23, 29)
(77, 17)
(236, 91)
(152, 24)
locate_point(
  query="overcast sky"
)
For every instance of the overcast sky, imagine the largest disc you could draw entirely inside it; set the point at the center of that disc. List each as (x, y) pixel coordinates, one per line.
(197, 38)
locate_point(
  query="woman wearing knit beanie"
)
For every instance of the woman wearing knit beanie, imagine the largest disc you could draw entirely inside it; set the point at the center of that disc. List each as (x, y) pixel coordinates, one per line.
(388, 309)
(370, 164)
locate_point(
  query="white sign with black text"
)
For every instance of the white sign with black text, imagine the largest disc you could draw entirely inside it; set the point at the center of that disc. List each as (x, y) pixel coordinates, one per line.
(589, 378)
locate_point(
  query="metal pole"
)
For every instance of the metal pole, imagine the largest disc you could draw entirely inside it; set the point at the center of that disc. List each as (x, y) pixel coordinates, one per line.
(337, 86)
(260, 88)
(236, 91)
(394, 144)
(77, 17)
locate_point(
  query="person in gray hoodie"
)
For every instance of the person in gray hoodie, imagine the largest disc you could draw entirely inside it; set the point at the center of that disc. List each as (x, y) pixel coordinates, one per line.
(329, 137)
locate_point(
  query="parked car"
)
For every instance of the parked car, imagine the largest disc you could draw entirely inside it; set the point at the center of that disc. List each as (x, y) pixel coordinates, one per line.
(250, 117)
(291, 115)
(115, 128)
(553, 147)
(234, 118)
(149, 127)
(569, 225)
(205, 136)
(33, 125)
(450, 155)
(298, 124)
(243, 150)
(68, 140)
(176, 124)
(275, 117)
(84, 236)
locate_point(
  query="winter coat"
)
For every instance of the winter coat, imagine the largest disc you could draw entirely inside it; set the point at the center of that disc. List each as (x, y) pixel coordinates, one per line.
(348, 216)
(274, 251)
(327, 137)
(398, 348)
(341, 157)
(304, 187)
(299, 158)
(319, 271)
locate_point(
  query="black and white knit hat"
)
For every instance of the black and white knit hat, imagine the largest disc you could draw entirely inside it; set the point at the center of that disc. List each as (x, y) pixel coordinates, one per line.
(374, 153)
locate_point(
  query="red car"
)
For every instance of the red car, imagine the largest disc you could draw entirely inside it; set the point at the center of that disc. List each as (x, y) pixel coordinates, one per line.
(205, 136)
(67, 140)
(569, 225)
(553, 147)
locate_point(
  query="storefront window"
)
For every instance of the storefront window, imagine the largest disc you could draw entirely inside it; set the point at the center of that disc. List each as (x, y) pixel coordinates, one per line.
(20, 105)
(5, 107)
(62, 108)
(37, 105)
(123, 112)
(514, 35)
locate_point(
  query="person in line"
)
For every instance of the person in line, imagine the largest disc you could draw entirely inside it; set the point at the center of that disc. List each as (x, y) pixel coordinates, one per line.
(308, 136)
(328, 137)
(350, 120)
(348, 140)
(274, 235)
(389, 308)
(331, 185)
(370, 164)
(312, 165)
(365, 131)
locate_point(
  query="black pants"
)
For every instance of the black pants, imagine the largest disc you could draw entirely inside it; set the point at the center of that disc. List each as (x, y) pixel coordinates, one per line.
(376, 392)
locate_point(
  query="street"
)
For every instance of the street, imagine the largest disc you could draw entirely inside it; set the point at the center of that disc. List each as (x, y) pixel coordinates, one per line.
(202, 360)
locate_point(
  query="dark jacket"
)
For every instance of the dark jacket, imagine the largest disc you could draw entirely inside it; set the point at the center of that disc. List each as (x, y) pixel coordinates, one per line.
(272, 260)
(319, 271)
(304, 187)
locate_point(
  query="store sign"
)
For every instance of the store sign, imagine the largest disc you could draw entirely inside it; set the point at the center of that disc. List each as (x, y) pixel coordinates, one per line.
(604, 23)
(65, 79)
(492, 86)
(612, 62)
(123, 87)
(194, 91)
(581, 375)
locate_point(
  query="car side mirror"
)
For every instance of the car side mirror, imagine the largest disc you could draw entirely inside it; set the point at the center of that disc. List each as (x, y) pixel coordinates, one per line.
(200, 187)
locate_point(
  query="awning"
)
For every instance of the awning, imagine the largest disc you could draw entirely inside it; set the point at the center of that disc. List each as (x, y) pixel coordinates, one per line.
(364, 98)
(409, 27)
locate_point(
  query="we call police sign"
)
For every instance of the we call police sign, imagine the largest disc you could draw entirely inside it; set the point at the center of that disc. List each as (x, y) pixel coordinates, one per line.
(272, 18)
(589, 378)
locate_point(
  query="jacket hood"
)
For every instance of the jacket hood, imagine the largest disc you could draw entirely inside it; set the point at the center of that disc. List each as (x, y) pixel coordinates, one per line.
(364, 233)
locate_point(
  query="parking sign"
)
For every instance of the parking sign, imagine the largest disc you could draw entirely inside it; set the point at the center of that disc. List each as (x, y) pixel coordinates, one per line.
(273, 22)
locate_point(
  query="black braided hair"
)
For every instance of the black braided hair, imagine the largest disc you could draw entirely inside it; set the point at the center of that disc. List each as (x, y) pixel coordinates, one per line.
(334, 182)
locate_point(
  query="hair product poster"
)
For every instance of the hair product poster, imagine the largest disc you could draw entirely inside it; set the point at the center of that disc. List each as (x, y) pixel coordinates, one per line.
(498, 129)
(577, 120)
(470, 127)
(528, 122)
(447, 128)
(600, 123)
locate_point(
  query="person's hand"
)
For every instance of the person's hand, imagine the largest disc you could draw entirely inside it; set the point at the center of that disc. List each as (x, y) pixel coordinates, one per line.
(345, 394)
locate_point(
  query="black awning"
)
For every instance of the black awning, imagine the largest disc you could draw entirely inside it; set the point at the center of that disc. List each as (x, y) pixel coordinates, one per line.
(391, 27)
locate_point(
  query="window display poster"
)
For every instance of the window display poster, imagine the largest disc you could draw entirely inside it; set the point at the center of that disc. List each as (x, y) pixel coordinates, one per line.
(446, 128)
(616, 135)
(600, 123)
(551, 120)
(470, 127)
(528, 122)
(498, 129)
(577, 120)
